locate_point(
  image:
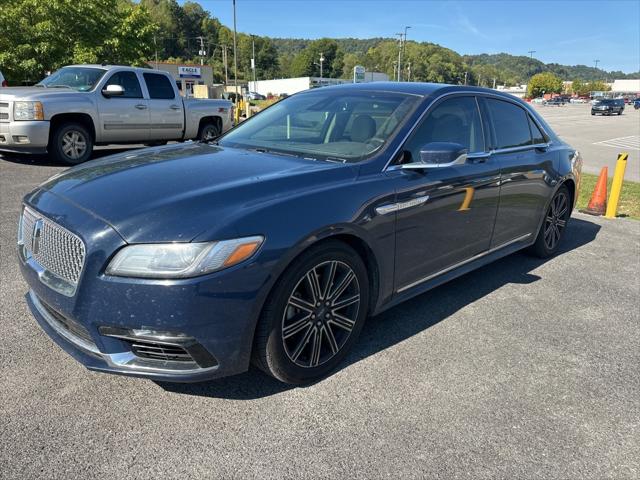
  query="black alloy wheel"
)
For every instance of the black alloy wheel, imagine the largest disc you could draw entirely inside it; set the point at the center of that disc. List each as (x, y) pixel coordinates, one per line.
(320, 314)
(313, 315)
(554, 224)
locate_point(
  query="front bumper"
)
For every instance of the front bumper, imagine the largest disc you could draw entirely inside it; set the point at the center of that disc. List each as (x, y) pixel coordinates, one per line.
(24, 137)
(217, 313)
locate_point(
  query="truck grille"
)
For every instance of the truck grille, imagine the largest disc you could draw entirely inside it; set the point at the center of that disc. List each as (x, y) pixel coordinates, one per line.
(4, 112)
(56, 249)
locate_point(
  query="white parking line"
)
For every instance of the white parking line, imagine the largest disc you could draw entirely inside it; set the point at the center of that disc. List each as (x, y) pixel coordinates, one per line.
(631, 142)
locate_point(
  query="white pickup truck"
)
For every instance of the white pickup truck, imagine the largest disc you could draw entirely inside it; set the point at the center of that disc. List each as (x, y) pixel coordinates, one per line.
(81, 106)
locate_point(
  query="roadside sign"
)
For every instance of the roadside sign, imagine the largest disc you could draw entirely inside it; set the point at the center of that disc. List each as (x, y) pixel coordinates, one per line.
(189, 72)
(358, 74)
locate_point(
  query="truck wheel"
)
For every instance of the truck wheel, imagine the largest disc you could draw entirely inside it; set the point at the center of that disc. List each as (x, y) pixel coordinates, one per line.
(208, 131)
(71, 144)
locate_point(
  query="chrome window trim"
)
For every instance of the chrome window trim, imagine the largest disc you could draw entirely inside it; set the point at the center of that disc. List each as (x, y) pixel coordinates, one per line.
(389, 167)
(462, 263)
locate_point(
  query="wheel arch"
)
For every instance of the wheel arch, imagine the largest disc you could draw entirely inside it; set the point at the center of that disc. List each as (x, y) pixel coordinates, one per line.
(83, 119)
(214, 119)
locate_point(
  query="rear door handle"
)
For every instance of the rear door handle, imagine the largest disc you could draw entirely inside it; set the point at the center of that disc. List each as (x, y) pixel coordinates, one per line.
(174, 107)
(141, 106)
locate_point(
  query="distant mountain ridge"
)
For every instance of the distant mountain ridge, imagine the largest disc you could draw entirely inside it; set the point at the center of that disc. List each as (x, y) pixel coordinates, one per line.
(516, 67)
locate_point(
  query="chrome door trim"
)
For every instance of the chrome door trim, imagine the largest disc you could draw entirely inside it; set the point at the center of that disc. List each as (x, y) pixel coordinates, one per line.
(464, 262)
(394, 207)
(477, 94)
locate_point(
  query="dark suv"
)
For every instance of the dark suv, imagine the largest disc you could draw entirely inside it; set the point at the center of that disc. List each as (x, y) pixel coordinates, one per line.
(608, 106)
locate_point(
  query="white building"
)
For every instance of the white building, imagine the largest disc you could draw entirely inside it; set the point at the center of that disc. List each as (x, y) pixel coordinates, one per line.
(626, 86)
(519, 91)
(299, 84)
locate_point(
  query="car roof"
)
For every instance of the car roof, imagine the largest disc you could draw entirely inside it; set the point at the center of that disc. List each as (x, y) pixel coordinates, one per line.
(416, 88)
(113, 67)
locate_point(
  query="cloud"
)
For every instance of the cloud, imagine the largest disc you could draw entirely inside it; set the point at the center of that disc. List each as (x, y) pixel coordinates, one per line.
(463, 22)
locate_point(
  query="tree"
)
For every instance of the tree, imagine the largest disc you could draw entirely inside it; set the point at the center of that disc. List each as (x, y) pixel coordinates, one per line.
(304, 63)
(545, 82)
(36, 36)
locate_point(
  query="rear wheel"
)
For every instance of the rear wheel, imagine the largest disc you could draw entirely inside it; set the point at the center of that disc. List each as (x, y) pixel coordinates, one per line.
(71, 143)
(554, 224)
(314, 315)
(208, 131)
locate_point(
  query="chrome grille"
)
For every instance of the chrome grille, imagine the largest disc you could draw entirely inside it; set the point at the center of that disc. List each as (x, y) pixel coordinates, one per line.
(4, 111)
(56, 249)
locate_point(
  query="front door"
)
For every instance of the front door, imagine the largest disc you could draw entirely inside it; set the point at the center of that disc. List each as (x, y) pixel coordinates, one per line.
(445, 215)
(124, 118)
(165, 107)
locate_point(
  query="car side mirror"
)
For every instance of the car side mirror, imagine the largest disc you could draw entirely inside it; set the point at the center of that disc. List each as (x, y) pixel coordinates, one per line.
(439, 155)
(113, 91)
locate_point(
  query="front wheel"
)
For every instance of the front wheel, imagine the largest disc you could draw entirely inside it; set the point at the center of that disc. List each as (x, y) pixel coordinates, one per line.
(554, 224)
(71, 144)
(314, 315)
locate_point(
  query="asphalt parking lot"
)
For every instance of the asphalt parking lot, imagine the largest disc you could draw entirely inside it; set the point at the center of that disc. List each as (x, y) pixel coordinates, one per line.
(522, 369)
(599, 138)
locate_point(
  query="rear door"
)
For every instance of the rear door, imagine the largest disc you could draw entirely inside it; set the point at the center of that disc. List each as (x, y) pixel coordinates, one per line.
(165, 108)
(526, 164)
(124, 118)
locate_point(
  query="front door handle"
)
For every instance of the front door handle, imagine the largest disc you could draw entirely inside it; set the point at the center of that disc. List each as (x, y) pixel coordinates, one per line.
(174, 107)
(478, 157)
(141, 106)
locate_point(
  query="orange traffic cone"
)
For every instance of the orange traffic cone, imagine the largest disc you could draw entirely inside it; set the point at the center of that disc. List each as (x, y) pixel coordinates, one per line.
(598, 203)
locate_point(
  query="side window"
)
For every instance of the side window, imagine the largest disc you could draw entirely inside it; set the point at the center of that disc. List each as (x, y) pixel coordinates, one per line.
(536, 134)
(128, 81)
(511, 124)
(159, 86)
(456, 120)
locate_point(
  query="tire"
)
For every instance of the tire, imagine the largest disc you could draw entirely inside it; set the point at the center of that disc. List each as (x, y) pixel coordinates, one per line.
(297, 342)
(553, 225)
(208, 131)
(71, 144)
(159, 143)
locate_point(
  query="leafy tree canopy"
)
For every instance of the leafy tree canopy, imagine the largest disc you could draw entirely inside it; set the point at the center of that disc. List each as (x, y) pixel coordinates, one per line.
(542, 83)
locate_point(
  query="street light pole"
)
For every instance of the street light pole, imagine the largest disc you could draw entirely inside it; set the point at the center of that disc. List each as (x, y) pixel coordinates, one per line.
(321, 62)
(253, 60)
(399, 54)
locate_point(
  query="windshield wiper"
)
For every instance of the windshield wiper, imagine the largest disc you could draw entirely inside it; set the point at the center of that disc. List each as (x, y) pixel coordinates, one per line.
(59, 86)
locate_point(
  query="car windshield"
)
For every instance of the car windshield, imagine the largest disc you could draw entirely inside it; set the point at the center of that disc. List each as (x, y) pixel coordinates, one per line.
(333, 125)
(79, 78)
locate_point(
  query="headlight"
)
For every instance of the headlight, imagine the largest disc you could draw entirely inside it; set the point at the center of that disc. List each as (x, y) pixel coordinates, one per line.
(28, 111)
(181, 260)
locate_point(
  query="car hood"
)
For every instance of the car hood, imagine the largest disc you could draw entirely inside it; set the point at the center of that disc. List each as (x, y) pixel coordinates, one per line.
(35, 93)
(175, 192)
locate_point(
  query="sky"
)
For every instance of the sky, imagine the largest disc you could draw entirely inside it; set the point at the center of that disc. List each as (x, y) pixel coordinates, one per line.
(568, 32)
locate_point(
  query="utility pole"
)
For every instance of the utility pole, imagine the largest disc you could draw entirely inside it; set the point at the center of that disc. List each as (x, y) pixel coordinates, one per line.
(202, 51)
(597, 62)
(235, 54)
(155, 45)
(399, 54)
(226, 66)
(404, 42)
(531, 52)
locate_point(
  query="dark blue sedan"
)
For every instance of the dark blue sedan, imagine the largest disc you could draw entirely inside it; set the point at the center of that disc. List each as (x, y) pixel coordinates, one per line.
(274, 243)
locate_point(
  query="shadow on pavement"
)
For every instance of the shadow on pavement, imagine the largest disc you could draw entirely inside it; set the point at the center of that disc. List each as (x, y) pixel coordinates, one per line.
(405, 320)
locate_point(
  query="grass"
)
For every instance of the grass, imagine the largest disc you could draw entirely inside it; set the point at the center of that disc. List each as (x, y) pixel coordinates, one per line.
(629, 205)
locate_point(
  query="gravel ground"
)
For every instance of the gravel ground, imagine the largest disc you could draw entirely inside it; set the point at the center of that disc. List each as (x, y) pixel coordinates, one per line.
(522, 369)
